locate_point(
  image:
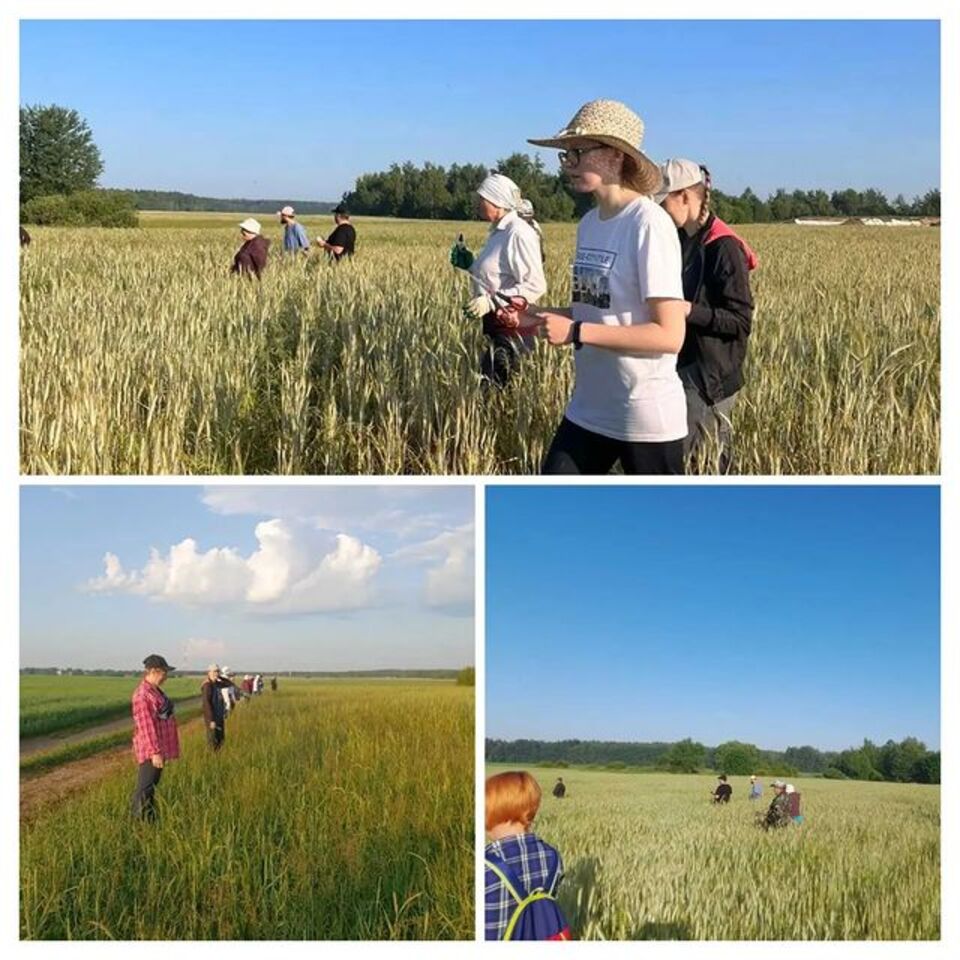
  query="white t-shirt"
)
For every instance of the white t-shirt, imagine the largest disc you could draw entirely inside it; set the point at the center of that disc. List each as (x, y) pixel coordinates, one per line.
(510, 261)
(619, 264)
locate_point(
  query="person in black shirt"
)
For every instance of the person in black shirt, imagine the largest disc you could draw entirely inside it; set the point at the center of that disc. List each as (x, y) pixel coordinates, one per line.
(719, 311)
(724, 791)
(559, 789)
(342, 242)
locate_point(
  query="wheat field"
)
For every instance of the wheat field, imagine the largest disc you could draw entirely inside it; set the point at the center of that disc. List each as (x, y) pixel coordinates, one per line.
(140, 354)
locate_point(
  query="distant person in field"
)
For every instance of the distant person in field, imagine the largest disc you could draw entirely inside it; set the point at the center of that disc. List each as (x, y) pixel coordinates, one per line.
(718, 305)
(778, 813)
(509, 263)
(228, 689)
(24, 238)
(155, 737)
(251, 259)
(625, 324)
(214, 708)
(258, 683)
(723, 791)
(248, 684)
(273, 684)
(518, 862)
(756, 788)
(559, 789)
(294, 236)
(343, 241)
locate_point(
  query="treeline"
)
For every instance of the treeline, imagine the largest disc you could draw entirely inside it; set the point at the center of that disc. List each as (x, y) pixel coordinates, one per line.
(439, 193)
(307, 674)
(173, 200)
(908, 761)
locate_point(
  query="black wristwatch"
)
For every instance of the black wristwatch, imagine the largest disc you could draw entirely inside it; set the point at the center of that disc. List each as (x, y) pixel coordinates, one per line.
(576, 335)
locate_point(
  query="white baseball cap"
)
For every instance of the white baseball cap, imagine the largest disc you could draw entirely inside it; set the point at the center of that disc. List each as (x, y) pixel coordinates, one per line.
(678, 175)
(251, 226)
(287, 211)
(213, 666)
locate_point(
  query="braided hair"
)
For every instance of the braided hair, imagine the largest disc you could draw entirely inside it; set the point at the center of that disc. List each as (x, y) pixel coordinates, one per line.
(707, 184)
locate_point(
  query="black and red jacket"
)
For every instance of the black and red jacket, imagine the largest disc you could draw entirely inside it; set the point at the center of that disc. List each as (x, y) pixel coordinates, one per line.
(716, 280)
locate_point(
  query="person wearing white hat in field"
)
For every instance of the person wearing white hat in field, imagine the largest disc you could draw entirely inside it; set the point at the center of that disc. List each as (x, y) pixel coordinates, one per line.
(251, 258)
(626, 321)
(719, 311)
(756, 788)
(510, 263)
(294, 236)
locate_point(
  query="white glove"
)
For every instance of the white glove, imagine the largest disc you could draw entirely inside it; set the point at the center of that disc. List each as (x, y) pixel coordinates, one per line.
(478, 307)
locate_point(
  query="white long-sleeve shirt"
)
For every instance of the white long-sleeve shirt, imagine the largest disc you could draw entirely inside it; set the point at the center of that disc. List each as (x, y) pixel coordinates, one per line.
(510, 261)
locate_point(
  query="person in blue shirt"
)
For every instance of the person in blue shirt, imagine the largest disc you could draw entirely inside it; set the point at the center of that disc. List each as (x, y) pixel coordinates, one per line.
(756, 788)
(294, 236)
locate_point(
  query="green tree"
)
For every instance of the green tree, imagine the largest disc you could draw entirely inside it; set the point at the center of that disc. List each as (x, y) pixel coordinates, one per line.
(57, 152)
(467, 677)
(685, 756)
(736, 757)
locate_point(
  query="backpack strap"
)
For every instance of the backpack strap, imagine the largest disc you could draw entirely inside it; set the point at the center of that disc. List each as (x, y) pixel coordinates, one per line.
(507, 877)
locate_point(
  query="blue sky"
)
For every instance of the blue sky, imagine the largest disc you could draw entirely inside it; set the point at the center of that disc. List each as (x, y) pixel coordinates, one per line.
(282, 577)
(287, 109)
(776, 615)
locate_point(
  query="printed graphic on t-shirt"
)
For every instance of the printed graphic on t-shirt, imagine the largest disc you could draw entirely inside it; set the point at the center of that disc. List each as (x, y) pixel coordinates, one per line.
(591, 277)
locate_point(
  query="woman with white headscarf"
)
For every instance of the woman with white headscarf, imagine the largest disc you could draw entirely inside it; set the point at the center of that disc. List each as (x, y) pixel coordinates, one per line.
(510, 264)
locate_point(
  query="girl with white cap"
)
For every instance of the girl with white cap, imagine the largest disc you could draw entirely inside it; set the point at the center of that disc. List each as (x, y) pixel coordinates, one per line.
(251, 258)
(510, 263)
(718, 307)
(626, 320)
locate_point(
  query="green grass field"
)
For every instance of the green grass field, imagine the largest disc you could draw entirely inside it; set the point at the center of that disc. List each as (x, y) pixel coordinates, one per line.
(140, 354)
(647, 856)
(334, 811)
(51, 704)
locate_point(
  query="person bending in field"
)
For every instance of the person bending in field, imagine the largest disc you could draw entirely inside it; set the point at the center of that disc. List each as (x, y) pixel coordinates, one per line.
(724, 791)
(718, 306)
(251, 259)
(155, 737)
(517, 861)
(778, 813)
(214, 708)
(343, 241)
(625, 323)
(510, 263)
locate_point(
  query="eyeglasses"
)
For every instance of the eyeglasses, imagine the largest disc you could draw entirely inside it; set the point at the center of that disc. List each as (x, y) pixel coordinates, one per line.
(572, 157)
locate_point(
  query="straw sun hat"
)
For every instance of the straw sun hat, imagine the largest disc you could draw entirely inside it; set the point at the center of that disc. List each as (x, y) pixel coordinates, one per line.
(616, 125)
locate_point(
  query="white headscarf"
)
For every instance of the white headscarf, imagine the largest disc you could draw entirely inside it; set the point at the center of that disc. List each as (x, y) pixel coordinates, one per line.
(501, 191)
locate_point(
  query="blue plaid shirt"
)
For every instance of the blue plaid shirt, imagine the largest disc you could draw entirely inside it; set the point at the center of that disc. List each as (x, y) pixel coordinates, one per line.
(533, 860)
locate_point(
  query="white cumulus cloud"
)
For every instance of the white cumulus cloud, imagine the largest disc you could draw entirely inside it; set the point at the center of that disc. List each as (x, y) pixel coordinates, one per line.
(295, 569)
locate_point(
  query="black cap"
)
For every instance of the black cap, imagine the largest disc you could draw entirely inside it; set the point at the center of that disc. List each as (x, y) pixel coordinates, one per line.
(156, 662)
(341, 210)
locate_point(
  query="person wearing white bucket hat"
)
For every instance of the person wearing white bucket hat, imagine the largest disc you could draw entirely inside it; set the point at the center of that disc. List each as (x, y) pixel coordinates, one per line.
(626, 320)
(251, 258)
(511, 264)
(719, 311)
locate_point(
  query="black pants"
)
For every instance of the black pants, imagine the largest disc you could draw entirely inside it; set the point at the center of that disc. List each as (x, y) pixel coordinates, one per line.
(215, 736)
(578, 451)
(502, 357)
(148, 776)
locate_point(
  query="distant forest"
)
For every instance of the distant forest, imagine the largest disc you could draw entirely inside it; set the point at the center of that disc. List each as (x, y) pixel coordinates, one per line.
(908, 761)
(371, 674)
(436, 192)
(171, 200)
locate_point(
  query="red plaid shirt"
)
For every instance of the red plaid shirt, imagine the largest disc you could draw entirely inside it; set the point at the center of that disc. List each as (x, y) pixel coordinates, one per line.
(151, 734)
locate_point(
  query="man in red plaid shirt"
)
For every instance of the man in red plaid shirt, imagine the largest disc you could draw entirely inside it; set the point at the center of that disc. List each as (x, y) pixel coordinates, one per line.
(155, 738)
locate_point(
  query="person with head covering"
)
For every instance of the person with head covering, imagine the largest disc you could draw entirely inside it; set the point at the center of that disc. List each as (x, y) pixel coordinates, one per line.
(155, 737)
(718, 307)
(251, 258)
(294, 236)
(778, 813)
(756, 788)
(509, 264)
(343, 241)
(625, 325)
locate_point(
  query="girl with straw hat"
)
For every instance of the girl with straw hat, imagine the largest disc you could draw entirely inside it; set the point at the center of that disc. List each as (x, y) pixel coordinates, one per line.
(510, 263)
(626, 322)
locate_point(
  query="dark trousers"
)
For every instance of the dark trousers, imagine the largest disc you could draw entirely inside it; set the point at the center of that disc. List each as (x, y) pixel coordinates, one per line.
(215, 736)
(502, 357)
(709, 430)
(578, 451)
(148, 776)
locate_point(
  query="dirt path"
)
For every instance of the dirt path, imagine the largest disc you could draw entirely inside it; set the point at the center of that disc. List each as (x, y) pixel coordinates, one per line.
(40, 792)
(49, 741)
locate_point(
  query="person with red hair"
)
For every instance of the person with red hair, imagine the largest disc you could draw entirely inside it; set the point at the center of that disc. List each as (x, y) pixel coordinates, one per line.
(512, 802)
